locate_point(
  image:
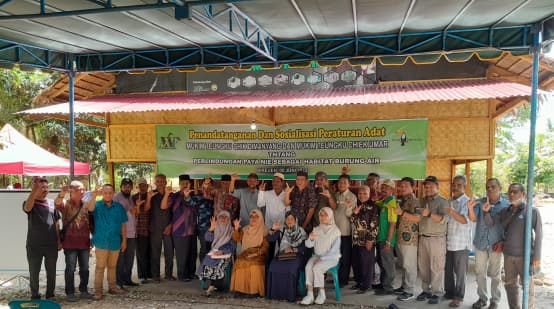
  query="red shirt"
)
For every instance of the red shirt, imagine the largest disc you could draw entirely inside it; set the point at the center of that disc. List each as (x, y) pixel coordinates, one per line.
(78, 234)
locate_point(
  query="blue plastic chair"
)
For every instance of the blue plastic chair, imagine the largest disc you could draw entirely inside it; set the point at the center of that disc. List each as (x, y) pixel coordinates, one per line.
(38, 303)
(335, 272)
(228, 272)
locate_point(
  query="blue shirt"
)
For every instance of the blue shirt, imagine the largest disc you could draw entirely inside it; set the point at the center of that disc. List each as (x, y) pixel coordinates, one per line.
(107, 225)
(486, 236)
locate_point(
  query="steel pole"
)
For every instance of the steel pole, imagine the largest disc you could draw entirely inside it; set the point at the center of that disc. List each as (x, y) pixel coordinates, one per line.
(71, 76)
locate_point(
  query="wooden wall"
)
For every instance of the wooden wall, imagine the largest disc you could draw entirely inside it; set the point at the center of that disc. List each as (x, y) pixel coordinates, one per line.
(458, 130)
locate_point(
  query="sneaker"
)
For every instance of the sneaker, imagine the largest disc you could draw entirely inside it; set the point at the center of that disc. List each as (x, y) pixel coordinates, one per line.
(433, 300)
(38, 296)
(493, 305)
(308, 299)
(399, 291)
(145, 281)
(71, 298)
(405, 296)
(423, 296)
(361, 291)
(170, 278)
(85, 295)
(454, 304)
(320, 299)
(131, 283)
(157, 280)
(479, 304)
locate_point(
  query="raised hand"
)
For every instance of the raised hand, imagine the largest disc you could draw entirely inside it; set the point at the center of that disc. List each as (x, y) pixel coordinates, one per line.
(150, 192)
(236, 223)
(425, 211)
(471, 203)
(262, 186)
(326, 193)
(345, 169)
(288, 188)
(486, 207)
(357, 209)
(207, 182)
(276, 225)
(139, 202)
(234, 176)
(187, 193)
(313, 235)
(64, 190)
(169, 188)
(213, 223)
(348, 203)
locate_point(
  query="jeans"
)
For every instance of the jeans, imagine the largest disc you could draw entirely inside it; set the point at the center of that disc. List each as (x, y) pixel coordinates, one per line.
(72, 256)
(35, 254)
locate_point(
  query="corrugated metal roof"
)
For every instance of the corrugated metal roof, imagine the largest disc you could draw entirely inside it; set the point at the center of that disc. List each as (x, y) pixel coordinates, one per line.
(403, 93)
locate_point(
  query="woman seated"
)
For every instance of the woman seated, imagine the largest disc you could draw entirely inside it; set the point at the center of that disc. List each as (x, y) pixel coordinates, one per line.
(249, 269)
(282, 281)
(325, 239)
(214, 264)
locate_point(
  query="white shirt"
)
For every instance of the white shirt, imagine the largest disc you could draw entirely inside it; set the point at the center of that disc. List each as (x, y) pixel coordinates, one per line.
(274, 207)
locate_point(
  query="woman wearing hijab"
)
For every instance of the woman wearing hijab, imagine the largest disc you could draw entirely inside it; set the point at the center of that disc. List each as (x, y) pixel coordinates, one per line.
(215, 263)
(249, 270)
(325, 239)
(282, 278)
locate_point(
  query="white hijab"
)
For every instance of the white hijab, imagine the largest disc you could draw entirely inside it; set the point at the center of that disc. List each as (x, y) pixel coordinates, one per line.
(326, 234)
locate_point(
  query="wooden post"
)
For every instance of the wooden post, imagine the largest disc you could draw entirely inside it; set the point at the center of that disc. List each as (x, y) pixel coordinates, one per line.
(111, 172)
(489, 168)
(468, 177)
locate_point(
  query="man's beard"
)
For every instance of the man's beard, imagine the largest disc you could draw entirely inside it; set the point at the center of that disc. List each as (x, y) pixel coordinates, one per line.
(126, 194)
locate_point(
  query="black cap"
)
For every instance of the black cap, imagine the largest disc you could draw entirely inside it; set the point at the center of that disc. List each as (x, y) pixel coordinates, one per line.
(409, 180)
(225, 177)
(126, 181)
(432, 179)
(184, 177)
(302, 173)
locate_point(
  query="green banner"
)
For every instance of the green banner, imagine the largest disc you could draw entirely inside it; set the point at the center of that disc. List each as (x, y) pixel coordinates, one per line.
(392, 148)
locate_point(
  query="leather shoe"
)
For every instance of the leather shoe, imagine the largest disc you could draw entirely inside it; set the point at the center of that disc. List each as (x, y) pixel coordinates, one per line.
(97, 296)
(132, 284)
(116, 291)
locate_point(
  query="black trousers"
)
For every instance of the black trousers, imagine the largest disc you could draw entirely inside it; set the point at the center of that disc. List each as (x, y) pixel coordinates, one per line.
(363, 264)
(144, 269)
(345, 261)
(35, 255)
(455, 270)
(205, 246)
(185, 251)
(156, 241)
(125, 262)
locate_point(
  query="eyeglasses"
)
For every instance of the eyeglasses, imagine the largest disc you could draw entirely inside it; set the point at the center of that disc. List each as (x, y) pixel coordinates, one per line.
(513, 192)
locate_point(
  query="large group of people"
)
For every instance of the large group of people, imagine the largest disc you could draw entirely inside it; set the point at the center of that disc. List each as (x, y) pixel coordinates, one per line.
(260, 243)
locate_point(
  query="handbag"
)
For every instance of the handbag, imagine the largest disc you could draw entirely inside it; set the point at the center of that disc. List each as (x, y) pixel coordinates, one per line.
(66, 226)
(286, 256)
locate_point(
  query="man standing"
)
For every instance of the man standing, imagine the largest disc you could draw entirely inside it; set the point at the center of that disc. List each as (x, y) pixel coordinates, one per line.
(275, 209)
(224, 200)
(160, 229)
(458, 243)
(248, 196)
(386, 239)
(345, 201)
(109, 238)
(302, 200)
(76, 240)
(488, 244)
(324, 196)
(144, 269)
(126, 259)
(42, 237)
(185, 216)
(432, 241)
(407, 238)
(513, 220)
(373, 183)
(205, 213)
